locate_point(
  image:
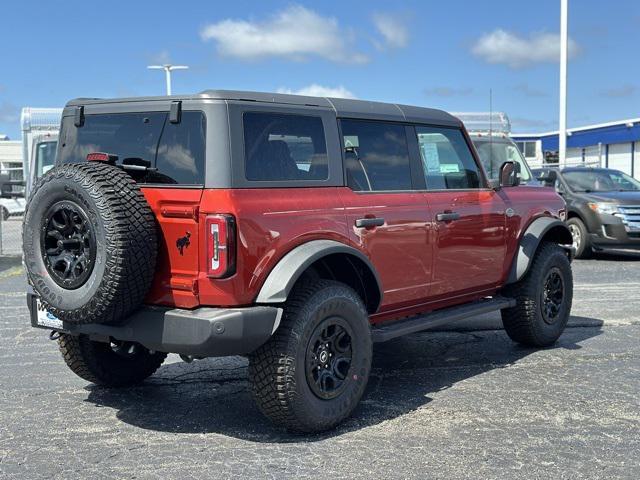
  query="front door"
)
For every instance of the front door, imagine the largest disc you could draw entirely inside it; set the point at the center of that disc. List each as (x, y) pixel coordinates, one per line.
(386, 216)
(470, 241)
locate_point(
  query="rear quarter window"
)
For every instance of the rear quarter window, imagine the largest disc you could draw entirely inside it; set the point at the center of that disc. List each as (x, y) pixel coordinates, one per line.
(176, 152)
(285, 147)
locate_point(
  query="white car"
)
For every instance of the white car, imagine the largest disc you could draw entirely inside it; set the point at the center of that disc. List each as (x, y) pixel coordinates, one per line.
(11, 206)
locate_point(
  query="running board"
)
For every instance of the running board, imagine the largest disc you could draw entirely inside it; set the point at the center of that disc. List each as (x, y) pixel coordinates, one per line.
(437, 318)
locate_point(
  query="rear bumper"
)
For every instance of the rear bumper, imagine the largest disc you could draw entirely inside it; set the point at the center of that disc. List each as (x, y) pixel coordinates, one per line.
(203, 332)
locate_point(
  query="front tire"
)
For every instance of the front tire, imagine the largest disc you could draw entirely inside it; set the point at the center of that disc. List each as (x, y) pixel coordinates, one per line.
(543, 299)
(120, 364)
(313, 371)
(580, 235)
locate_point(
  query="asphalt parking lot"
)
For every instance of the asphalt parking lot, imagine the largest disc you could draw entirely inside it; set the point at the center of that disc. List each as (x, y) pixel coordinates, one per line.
(448, 404)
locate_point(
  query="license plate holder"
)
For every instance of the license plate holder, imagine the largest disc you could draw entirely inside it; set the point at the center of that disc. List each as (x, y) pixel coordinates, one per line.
(44, 318)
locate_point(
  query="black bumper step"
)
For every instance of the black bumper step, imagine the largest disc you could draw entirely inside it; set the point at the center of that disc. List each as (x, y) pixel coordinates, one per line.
(437, 318)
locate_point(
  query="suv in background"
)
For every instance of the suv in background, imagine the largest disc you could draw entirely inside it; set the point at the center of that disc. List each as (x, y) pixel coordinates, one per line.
(294, 230)
(603, 207)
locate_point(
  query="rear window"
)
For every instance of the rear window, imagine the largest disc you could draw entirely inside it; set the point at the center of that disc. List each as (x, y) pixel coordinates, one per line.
(175, 151)
(281, 147)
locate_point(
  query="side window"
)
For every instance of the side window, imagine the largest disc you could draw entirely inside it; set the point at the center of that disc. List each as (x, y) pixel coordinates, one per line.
(180, 156)
(376, 156)
(446, 159)
(284, 147)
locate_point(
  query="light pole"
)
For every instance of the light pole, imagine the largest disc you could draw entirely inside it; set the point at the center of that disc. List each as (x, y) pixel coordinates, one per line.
(168, 68)
(564, 52)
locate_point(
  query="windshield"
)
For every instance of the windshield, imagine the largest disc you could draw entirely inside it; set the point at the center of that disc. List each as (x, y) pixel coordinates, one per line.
(45, 157)
(494, 153)
(600, 181)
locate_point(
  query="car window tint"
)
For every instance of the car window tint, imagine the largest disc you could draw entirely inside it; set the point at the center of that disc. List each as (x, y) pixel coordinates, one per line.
(176, 151)
(446, 159)
(181, 151)
(376, 156)
(284, 147)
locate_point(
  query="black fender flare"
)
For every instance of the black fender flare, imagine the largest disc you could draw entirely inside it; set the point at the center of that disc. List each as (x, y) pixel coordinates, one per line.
(285, 274)
(556, 230)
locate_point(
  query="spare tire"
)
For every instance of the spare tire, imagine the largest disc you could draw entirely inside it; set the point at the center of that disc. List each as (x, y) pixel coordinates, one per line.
(90, 243)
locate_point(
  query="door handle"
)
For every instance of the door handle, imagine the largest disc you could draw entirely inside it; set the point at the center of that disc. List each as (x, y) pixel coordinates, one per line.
(447, 216)
(369, 222)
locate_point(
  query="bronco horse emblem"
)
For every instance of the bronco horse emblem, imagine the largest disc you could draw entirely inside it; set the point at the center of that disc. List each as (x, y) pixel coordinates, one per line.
(183, 242)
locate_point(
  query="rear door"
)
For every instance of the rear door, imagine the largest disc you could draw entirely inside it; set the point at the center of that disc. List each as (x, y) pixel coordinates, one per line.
(173, 183)
(470, 236)
(387, 217)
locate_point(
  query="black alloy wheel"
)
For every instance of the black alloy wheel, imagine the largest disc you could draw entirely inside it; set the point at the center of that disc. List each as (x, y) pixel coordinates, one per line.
(68, 244)
(328, 358)
(552, 296)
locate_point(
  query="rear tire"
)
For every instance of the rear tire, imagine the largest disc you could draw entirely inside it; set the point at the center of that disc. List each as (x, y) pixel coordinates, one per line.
(581, 239)
(313, 371)
(543, 299)
(5, 214)
(113, 365)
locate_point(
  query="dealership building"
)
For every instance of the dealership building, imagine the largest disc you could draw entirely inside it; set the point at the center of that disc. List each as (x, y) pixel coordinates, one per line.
(612, 145)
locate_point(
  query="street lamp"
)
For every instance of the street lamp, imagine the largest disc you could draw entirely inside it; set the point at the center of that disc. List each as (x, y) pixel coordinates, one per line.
(168, 68)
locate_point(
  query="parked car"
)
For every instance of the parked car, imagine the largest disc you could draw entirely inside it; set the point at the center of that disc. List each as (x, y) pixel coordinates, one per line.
(11, 206)
(12, 203)
(294, 230)
(603, 207)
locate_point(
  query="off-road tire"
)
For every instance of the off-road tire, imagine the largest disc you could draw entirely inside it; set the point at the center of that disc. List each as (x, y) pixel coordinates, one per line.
(125, 233)
(584, 248)
(277, 369)
(98, 363)
(525, 323)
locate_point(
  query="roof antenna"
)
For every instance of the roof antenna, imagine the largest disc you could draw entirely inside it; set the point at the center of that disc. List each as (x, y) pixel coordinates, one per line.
(491, 129)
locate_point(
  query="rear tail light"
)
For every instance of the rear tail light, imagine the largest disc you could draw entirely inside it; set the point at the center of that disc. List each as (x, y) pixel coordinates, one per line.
(221, 245)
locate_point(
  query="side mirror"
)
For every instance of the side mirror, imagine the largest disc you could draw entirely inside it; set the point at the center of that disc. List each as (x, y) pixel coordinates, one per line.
(509, 174)
(548, 178)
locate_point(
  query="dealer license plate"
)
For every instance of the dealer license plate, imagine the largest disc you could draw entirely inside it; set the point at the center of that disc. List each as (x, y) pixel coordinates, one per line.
(46, 319)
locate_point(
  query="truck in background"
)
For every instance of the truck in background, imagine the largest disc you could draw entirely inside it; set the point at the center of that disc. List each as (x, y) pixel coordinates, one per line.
(40, 127)
(490, 134)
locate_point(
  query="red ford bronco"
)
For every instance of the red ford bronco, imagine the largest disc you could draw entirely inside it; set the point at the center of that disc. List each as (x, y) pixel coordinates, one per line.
(297, 231)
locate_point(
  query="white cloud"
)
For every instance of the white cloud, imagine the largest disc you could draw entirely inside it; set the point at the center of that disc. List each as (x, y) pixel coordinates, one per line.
(295, 32)
(392, 29)
(162, 57)
(624, 91)
(315, 90)
(516, 51)
(529, 91)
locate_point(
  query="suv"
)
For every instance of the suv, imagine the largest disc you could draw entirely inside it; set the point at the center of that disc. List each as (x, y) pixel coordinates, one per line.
(295, 230)
(603, 207)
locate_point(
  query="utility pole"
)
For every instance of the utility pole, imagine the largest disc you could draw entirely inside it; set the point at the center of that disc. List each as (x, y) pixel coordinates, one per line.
(564, 54)
(168, 68)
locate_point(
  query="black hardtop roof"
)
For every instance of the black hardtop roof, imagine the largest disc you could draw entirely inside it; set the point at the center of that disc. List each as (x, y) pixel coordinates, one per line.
(343, 107)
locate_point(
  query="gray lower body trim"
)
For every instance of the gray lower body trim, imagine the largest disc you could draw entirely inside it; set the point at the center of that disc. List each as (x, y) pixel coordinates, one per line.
(203, 332)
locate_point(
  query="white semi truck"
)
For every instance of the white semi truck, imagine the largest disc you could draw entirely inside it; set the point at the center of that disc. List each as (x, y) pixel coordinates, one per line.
(40, 128)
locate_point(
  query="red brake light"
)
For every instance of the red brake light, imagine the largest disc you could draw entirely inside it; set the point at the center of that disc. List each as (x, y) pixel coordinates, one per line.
(221, 245)
(101, 157)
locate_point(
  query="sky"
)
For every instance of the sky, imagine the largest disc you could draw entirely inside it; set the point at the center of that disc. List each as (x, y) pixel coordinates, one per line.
(438, 54)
